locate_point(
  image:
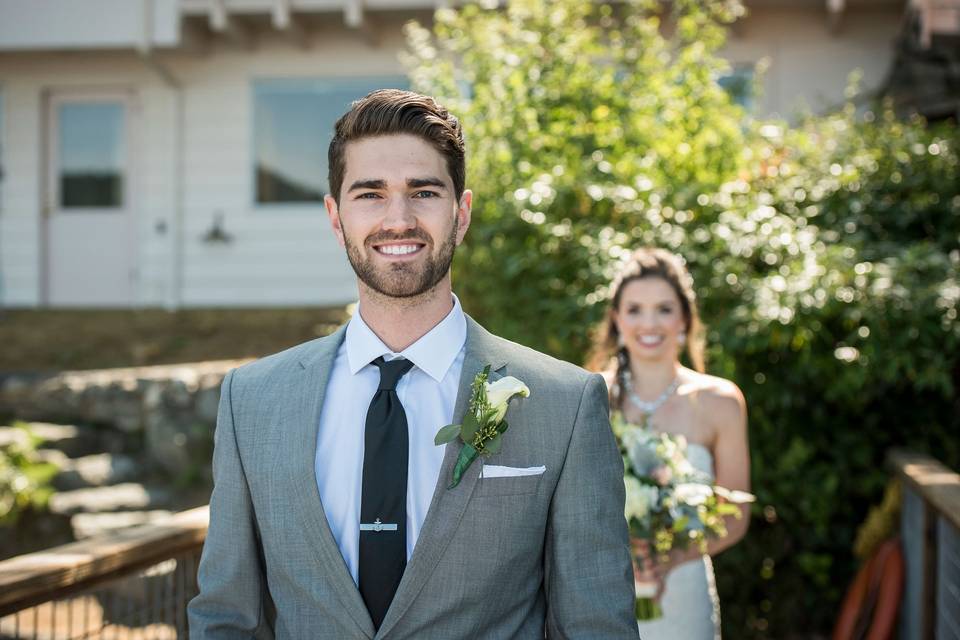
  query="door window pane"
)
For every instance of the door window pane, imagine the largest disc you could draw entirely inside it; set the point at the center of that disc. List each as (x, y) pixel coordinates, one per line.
(739, 84)
(293, 125)
(91, 154)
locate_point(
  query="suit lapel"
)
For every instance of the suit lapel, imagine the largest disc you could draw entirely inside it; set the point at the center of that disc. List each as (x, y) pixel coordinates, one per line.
(308, 386)
(447, 505)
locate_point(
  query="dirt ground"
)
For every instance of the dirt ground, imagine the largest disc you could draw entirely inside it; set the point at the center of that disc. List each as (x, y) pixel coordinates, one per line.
(49, 340)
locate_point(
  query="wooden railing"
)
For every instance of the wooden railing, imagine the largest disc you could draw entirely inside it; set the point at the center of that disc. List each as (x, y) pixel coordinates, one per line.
(132, 583)
(930, 531)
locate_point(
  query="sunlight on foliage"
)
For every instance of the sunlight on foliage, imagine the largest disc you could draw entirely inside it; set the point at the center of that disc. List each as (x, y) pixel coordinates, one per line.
(826, 254)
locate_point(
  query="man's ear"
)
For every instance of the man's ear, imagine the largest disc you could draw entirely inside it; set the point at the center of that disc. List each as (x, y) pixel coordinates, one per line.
(464, 208)
(333, 213)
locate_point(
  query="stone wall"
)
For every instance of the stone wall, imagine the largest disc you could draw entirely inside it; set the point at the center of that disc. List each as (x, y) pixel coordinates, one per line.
(172, 408)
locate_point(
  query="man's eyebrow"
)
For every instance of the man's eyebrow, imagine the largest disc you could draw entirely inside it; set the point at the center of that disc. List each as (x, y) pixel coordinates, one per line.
(367, 184)
(415, 183)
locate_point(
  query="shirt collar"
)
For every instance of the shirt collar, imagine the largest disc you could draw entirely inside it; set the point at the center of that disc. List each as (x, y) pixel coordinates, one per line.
(433, 353)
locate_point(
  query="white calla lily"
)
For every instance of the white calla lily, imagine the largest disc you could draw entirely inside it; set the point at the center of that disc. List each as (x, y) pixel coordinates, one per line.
(693, 493)
(500, 392)
(732, 495)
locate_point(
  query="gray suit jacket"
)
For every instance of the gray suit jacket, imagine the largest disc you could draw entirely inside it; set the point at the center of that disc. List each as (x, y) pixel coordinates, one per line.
(516, 557)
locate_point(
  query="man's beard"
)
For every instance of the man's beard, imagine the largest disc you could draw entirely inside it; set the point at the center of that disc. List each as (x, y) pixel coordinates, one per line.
(401, 279)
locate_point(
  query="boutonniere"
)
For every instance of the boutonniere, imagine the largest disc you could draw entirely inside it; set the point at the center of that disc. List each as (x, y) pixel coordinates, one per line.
(483, 424)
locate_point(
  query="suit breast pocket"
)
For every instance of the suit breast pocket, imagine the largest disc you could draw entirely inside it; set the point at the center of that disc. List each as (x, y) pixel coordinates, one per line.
(508, 486)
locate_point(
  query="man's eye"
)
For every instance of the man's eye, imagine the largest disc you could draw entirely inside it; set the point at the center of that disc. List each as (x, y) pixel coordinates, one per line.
(426, 194)
(369, 195)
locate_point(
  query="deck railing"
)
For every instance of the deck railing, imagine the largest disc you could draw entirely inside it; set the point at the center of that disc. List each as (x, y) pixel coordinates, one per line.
(930, 531)
(135, 583)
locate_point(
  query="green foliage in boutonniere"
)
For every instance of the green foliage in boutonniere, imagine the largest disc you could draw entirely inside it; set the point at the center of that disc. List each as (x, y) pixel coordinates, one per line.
(483, 425)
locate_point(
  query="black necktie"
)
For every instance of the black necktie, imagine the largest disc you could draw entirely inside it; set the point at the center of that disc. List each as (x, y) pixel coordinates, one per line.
(383, 506)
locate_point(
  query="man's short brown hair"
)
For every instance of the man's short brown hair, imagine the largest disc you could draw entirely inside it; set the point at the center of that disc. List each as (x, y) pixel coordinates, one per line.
(392, 111)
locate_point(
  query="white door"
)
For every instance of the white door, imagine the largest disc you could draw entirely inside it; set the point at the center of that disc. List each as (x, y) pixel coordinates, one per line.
(89, 223)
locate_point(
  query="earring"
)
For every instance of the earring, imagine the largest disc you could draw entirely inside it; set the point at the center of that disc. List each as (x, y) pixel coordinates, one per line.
(682, 338)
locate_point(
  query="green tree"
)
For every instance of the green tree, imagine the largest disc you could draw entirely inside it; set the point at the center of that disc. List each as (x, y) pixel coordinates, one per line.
(825, 254)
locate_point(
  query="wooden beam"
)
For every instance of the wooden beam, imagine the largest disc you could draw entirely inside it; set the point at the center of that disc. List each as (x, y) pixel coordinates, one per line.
(282, 15)
(284, 20)
(46, 575)
(219, 19)
(223, 24)
(835, 11)
(355, 18)
(936, 484)
(353, 13)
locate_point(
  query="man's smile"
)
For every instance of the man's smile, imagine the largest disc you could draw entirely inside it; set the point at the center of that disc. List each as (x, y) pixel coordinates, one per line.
(399, 250)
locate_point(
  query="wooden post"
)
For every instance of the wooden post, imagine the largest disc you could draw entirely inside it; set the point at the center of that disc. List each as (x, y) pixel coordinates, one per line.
(931, 501)
(928, 610)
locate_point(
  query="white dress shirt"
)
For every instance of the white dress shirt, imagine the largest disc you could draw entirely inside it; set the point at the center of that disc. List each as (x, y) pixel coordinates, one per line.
(428, 392)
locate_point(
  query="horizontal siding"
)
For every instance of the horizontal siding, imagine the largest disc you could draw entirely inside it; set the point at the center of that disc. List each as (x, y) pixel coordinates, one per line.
(19, 222)
(18, 255)
(808, 64)
(278, 254)
(152, 175)
(227, 295)
(269, 270)
(287, 254)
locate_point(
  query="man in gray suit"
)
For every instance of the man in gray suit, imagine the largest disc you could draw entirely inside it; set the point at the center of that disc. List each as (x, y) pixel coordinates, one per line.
(333, 514)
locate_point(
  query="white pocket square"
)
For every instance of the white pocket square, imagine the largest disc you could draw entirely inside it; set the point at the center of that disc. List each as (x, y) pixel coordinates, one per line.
(497, 471)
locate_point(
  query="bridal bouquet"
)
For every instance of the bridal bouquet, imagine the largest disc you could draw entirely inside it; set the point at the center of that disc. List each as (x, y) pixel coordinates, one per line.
(669, 502)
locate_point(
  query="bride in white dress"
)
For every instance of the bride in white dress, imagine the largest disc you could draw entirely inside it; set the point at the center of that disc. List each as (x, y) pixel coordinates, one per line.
(652, 319)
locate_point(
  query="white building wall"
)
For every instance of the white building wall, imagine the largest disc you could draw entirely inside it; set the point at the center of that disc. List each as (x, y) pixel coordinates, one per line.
(287, 255)
(156, 204)
(90, 24)
(26, 80)
(19, 208)
(279, 255)
(809, 63)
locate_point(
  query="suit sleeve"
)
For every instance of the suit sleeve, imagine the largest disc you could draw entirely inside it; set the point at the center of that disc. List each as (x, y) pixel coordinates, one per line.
(231, 602)
(587, 570)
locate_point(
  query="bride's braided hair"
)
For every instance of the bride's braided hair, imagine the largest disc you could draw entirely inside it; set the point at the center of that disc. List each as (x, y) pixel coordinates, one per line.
(608, 351)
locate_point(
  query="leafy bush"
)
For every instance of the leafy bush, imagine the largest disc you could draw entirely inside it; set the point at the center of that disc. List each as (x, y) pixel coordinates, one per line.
(825, 255)
(24, 479)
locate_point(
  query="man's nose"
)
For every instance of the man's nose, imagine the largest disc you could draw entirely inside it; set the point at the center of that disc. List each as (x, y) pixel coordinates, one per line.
(399, 216)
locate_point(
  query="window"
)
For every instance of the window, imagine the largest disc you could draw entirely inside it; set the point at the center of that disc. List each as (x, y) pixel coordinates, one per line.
(739, 84)
(293, 126)
(91, 153)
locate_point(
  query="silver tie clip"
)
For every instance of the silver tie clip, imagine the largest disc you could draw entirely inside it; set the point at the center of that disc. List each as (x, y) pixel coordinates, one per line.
(377, 526)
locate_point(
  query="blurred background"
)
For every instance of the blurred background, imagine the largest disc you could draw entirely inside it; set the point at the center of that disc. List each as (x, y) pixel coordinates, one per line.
(162, 169)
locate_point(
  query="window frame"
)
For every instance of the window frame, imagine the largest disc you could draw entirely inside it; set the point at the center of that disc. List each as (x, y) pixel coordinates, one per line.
(124, 101)
(364, 85)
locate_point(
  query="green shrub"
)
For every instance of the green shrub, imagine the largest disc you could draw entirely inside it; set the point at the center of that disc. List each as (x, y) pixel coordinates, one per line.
(825, 255)
(24, 479)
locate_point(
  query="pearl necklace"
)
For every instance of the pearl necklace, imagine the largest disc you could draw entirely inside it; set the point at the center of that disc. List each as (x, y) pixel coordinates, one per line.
(648, 408)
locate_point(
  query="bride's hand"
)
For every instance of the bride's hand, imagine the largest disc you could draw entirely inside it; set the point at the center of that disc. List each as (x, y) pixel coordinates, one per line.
(645, 568)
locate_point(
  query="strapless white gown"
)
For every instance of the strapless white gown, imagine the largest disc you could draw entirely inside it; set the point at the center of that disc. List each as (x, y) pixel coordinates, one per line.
(691, 608)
